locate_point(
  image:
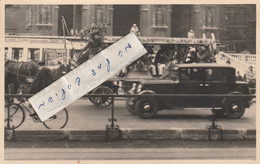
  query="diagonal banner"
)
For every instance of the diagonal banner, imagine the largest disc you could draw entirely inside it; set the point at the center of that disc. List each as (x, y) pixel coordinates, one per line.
(87, 76)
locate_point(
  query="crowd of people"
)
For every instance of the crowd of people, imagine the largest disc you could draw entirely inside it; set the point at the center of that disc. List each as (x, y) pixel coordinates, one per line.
(158, 61)
(174, 54)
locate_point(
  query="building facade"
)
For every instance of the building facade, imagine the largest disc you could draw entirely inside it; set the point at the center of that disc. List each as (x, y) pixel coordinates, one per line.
(234, 26)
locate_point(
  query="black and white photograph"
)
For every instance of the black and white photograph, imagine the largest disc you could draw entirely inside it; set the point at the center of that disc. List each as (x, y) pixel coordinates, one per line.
(111, 82)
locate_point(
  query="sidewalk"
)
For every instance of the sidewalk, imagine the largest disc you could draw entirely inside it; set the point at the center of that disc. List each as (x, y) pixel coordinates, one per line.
(130, 134)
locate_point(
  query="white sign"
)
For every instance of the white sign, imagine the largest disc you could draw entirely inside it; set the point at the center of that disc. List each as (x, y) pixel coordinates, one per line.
(87, 76)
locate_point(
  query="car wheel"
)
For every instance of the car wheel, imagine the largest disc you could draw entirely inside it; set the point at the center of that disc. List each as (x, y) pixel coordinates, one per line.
(146, 107)
(235, 108)
(131, 108)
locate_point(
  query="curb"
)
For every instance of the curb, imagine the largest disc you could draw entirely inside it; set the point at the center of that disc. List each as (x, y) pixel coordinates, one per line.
(130, 134)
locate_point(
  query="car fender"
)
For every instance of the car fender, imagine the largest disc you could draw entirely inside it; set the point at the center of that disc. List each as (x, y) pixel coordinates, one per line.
(146, 92)
(232, 93)
(162, 102)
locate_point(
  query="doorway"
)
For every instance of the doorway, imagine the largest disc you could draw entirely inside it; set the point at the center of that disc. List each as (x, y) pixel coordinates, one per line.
(124, 17)
(181, 20)
(67, 12)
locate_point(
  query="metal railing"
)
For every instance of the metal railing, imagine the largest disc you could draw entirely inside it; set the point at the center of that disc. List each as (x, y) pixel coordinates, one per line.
(152, 95)
(112, 130)
(241, 63)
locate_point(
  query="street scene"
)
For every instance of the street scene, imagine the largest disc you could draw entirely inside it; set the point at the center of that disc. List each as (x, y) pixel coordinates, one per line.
(191, 95)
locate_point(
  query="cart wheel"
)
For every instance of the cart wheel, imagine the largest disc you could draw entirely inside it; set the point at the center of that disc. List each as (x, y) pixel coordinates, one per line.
(91, 98)
(102, 102)
(235, 108)
(146, 107)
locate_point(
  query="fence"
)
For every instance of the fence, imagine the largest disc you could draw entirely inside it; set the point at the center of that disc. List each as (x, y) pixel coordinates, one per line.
(113, 132)
(248, 58)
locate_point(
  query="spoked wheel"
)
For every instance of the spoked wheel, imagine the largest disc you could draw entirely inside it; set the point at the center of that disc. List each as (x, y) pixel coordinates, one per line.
(57, 121)
(102, 102)
(235, 108)
(16, 116)
(146, 107)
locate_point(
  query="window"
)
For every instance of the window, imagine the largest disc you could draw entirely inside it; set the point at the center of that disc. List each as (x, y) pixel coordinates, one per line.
(17, 53)
(206, 74)
(34, 54)
(210, 17)
(53, 56)
(227, 18)
(192, 74)
(220, 75)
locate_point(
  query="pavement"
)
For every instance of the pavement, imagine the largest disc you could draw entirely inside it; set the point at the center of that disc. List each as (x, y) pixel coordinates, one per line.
(130, 134)
(130, 150)
(91, 127)
(130, 154)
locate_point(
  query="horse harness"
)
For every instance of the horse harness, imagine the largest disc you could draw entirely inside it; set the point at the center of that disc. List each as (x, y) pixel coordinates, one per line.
(29, 78)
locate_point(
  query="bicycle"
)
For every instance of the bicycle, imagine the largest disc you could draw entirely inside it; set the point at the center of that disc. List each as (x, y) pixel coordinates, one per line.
(15, 115)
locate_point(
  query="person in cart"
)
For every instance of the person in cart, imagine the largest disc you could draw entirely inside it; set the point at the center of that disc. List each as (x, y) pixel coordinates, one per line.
(162, 58)
(203, 54)
(191, 56)
(94, 45)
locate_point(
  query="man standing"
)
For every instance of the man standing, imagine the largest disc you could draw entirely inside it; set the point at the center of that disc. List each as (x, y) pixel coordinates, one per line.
(250, 77)
(135, 30)
(191, 34)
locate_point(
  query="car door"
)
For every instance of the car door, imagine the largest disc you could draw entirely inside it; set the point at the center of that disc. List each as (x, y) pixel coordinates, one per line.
(191, 82)
(219, 81)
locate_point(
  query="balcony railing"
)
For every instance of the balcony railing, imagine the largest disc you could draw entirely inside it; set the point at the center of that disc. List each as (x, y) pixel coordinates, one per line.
(240, 61)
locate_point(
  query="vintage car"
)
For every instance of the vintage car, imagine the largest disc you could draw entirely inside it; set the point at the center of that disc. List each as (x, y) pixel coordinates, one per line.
(198, 78)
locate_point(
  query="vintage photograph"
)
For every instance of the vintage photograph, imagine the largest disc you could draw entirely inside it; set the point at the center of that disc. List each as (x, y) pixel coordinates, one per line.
(129, 82)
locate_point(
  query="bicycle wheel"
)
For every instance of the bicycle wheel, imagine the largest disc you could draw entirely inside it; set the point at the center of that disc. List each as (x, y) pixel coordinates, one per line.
(57, 121)
(16, 116)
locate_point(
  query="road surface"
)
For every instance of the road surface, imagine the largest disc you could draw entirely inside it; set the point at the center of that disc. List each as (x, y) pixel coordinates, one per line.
(85, 116)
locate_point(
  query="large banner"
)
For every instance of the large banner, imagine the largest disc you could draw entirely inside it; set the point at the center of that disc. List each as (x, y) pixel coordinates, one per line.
(87, 76)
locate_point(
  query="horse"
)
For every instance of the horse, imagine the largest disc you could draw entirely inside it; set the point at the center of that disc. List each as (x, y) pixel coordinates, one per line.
(42, 80)
(17, 73)
(28, 77)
